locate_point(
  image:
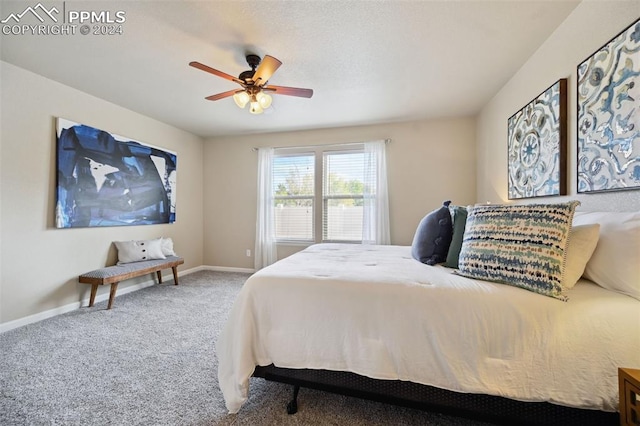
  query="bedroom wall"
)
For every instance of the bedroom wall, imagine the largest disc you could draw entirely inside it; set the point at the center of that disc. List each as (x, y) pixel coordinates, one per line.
(40, 264)
(428, 162)
(590, 25)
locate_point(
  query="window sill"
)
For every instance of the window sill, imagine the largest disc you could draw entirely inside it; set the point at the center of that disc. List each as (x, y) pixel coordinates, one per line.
(294, 243)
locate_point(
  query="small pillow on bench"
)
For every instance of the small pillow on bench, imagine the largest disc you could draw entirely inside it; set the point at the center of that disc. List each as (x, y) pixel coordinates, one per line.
(138, 251)
(167, 247)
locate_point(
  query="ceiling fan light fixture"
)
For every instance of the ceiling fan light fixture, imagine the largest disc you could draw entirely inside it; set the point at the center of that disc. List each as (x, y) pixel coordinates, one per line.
(264, 100)
(255, 107)
(241, 99)
(253, 83)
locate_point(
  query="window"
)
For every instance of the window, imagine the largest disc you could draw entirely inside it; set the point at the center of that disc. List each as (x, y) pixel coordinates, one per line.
(319, 195)
(332, 193)
(342, 196)
(293, 196)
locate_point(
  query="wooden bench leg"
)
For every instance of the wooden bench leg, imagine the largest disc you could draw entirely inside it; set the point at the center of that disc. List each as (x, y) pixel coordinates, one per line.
(175, 275)
(112, 294)
(159, 276)
(94, 291)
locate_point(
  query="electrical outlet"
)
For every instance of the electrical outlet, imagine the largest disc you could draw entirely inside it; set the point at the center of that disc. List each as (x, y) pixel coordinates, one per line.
(248, 253)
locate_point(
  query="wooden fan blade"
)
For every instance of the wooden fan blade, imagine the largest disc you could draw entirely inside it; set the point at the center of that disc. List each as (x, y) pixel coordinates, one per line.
(222, 95)
(265, 70)
(289, 91)
(213, 71)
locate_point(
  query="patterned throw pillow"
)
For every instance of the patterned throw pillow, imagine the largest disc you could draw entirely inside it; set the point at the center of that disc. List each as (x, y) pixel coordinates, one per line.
(519, 245)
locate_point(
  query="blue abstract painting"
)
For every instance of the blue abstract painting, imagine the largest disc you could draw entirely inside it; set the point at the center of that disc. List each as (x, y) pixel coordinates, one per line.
(108, 180)
(609, 115)
(537, 145)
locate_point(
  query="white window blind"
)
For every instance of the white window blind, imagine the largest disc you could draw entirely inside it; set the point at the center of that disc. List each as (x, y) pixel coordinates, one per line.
(343, 196)
(294, 192)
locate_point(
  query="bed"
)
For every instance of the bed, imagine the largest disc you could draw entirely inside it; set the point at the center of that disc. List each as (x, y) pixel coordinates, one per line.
(349, 318)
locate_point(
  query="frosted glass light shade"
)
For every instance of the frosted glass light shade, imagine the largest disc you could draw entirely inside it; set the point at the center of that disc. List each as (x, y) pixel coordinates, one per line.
(264, 100)
(255, 108)
(241, 99)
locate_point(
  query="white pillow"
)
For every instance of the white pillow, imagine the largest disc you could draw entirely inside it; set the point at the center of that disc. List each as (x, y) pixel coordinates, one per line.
(137, 251)
(582, 243)
(615, 263)
(167, 247)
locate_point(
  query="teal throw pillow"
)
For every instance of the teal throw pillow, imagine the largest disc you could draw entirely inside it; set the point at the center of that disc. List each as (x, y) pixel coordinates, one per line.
(459, 218)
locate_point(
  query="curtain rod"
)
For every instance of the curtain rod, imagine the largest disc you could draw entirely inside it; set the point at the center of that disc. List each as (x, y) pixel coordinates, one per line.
(386, 141)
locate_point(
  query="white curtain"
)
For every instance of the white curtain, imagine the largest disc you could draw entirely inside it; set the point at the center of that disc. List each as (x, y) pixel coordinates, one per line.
(375, 224)
(265, 250)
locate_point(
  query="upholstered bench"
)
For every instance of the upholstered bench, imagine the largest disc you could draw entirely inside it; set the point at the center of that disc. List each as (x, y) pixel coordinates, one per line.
(114, 274)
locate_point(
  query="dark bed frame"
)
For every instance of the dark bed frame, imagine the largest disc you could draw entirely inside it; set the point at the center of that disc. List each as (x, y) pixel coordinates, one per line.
(489, 408)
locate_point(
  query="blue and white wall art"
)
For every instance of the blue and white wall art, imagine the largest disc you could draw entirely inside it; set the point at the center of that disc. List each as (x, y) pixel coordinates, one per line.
(609, 115)
(537, 145)
(109, 180)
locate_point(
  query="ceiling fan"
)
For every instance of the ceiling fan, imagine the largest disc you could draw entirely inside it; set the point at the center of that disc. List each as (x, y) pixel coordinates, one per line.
(255, 88)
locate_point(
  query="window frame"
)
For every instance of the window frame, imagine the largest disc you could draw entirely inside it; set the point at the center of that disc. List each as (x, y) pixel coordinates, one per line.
(300, 152)
(318, 199)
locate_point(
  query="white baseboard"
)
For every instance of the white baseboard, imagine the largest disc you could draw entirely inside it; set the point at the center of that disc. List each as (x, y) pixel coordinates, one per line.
(10, 325)
(70, 307)
(226, 269)
(219, 269)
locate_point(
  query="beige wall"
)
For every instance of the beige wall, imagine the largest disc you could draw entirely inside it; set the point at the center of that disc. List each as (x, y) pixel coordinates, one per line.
(462, 159)
(428, 162)
(589, 26)
(40, 264)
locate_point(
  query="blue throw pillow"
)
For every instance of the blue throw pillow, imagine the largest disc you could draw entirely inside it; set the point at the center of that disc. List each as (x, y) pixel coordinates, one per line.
(433, 236)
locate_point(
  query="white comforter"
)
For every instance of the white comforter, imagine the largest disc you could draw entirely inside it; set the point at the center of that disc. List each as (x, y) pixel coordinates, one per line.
(375, 311)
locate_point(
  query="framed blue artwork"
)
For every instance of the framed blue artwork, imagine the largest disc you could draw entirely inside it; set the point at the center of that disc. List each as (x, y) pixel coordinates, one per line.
(537, 145)
(609, 115)
(108, 180)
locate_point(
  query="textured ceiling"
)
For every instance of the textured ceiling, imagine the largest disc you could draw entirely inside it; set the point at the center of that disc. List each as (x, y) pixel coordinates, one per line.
(368, 62)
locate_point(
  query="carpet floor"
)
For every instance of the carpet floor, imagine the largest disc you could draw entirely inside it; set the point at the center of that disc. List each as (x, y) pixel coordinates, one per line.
(151, 361)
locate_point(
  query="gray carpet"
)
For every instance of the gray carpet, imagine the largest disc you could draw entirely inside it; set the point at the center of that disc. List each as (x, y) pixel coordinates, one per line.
(151, 361)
